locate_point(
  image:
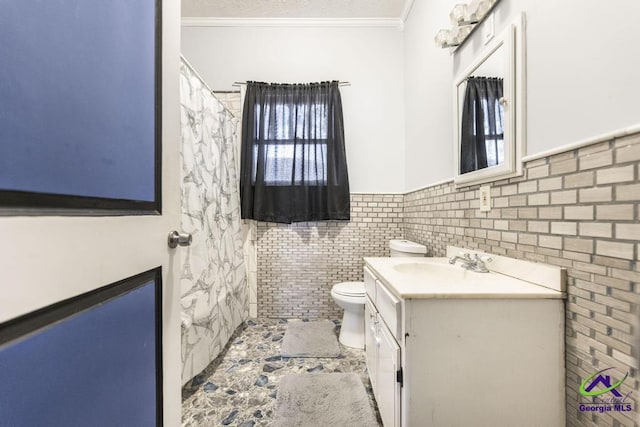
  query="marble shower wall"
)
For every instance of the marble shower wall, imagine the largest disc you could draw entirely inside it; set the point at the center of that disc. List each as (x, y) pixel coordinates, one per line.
(214, 292)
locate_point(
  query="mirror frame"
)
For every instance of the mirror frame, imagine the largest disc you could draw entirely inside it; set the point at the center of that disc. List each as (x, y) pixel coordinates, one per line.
(512, 40)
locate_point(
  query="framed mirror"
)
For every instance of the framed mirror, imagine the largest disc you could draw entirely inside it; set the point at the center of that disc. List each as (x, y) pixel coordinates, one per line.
(489, 107)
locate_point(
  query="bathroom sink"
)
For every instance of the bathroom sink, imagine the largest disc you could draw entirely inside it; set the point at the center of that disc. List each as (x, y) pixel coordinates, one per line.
(436, 278)
(435, 271)
(441, 272)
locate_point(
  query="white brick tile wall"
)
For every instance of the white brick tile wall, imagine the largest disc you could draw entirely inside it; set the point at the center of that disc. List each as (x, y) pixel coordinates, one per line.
(299, 263)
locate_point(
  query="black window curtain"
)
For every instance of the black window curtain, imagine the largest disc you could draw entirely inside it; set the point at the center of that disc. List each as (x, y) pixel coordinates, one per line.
(293, 164)
(482, 133)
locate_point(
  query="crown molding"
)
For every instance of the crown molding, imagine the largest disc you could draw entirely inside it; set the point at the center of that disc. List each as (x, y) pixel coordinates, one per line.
(406, 10)
(295, 22)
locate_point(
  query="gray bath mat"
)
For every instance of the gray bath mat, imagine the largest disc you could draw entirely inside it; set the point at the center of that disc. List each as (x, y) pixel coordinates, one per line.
(320, 400)
(310, 339)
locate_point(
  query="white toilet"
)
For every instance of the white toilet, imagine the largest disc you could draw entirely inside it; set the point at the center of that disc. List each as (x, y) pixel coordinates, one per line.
(351, 296)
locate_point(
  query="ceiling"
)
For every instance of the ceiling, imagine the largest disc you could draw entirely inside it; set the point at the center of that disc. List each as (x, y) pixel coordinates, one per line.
(323, 9)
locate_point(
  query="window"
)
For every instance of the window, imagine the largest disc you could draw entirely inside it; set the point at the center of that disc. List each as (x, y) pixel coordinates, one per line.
(293, 155)
(295, 148)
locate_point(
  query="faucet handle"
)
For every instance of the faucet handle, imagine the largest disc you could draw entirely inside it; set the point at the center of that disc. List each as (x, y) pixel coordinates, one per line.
(480, 261)
(483, 258)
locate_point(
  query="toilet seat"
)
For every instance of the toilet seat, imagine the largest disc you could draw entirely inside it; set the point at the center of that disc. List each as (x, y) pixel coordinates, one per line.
(349, 289)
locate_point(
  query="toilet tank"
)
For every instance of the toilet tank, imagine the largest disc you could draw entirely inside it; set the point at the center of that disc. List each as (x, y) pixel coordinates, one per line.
(406, 248)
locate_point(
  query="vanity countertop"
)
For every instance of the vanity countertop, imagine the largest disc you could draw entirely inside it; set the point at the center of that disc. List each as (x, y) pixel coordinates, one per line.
(436, 278)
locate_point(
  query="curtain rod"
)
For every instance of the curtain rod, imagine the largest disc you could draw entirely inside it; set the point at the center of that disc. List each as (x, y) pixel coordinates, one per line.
(244, 83)
(188, 64)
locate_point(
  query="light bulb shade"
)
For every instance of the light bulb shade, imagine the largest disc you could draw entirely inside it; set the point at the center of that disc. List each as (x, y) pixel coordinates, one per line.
(458, 13)
(458, 34)
(463, 32)
(442, 38)
(483, 8)
(471, 12)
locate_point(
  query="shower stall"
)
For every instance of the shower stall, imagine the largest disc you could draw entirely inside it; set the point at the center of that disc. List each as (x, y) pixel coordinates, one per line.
(213, 279)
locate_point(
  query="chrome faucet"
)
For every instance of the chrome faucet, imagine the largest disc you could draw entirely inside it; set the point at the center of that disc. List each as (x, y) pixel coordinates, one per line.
(464, 257)
(477, 263)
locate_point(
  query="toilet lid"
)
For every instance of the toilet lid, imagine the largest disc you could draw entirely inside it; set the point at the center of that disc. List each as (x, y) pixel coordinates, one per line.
(349, 288)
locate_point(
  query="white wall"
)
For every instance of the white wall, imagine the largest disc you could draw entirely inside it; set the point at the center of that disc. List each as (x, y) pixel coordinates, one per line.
(428, 96)
(370, 58)
(582, 80)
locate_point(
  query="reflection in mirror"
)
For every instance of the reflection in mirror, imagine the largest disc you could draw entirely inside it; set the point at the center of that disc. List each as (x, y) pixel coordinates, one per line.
(489, 120)
(482, 130)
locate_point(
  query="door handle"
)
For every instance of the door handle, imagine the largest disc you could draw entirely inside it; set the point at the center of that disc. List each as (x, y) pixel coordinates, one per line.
(182, 239)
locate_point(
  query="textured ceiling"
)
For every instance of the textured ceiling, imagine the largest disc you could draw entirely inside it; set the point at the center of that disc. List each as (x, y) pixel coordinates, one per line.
(293, 8)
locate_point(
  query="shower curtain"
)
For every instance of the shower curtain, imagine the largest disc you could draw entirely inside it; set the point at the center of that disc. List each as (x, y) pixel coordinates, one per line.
(214, 293)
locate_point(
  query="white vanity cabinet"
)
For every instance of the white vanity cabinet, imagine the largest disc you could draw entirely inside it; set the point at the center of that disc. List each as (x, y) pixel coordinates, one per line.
(461, 355)
(382, 354)
(382, 329)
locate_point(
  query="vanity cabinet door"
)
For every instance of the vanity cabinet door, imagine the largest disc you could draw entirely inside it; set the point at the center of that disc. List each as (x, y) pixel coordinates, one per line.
(388, 396)
(371, 342)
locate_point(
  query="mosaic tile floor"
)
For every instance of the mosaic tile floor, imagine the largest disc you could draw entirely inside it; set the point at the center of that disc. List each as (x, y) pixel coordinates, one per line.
(239, 387)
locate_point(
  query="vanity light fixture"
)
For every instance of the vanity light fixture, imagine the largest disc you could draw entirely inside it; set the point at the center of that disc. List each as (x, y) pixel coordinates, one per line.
(464, 18)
